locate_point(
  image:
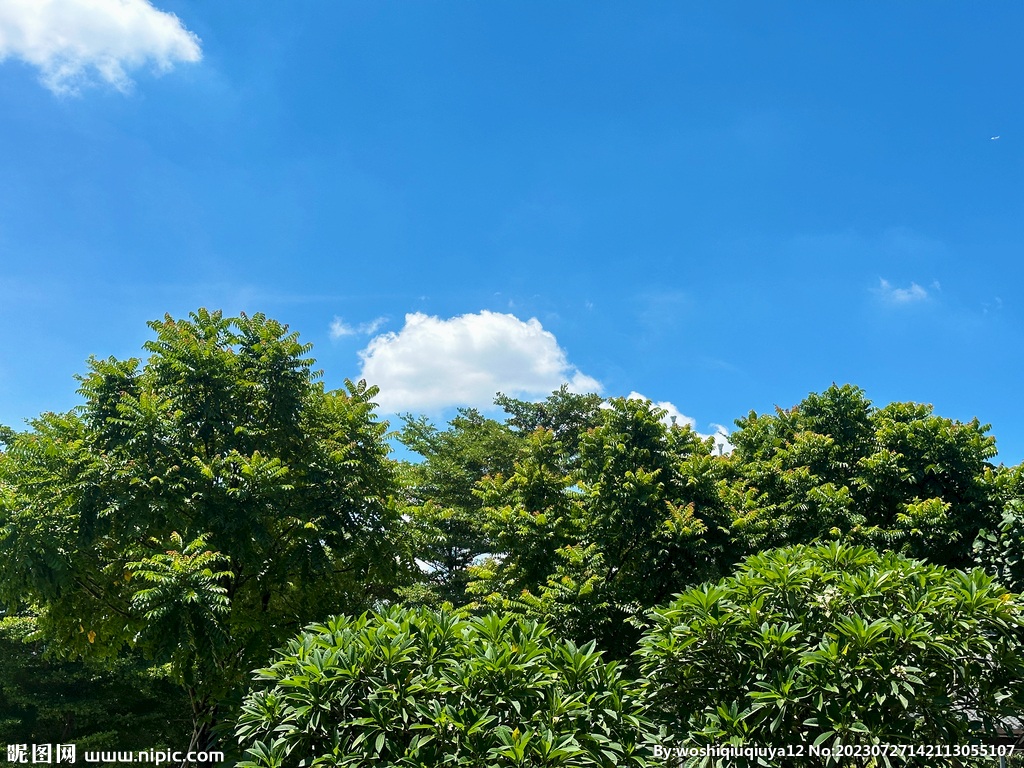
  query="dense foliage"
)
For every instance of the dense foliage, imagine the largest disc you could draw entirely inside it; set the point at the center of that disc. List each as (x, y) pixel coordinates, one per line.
(1000, 550)
(419, 688)
(589, 548)
(443, 510)
(202, 507)
(898, 478)
(123, 704)
(836, 644)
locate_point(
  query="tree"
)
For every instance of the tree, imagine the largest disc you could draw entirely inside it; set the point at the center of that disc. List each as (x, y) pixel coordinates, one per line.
(589, 549)
(529, 516)
(836, 644)
(1000, 550)
(419, 688)
(199, 508)
(568, 415)
(442, 505)
(897, 477)
(444, 492)
(642, 513)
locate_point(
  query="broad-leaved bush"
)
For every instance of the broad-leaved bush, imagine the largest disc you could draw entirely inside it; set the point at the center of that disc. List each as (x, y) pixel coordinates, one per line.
(836, 644)
(422, 688)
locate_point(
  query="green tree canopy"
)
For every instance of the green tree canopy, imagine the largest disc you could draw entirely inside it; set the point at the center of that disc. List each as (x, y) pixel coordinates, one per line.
(442, 505)
(589, 548)
(120, 704)
(200, 507)
(897, 478)
(443, 491)
(1000, 551)
(567, 415)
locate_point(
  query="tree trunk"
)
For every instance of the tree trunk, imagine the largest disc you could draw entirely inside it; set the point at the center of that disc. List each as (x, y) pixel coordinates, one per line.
(204, 738)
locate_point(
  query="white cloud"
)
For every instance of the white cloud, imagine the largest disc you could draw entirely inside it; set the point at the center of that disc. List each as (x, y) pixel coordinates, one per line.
(671, 411)
(340, 328)
(72, 41)
(902, 295)
(433, 363)
(721, 434)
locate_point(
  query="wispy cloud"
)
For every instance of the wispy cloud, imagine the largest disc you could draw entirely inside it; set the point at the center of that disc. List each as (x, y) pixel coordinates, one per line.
(72, 42)
(340, 328)
(434, 363)
(893, 295)
(995, 305)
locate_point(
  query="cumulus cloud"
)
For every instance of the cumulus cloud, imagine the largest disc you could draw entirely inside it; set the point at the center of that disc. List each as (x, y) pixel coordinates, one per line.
(674, 416)
(433, 363)
(74, 41)
(902, 295)
(340, 328)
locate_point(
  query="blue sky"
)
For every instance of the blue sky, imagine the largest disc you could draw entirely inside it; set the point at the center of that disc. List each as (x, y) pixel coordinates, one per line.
(722, 206)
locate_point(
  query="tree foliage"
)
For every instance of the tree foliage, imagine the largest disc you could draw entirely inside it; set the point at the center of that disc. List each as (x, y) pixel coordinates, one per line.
(446, 490)
(442, 506)
(588, 548)
(569, 416)
(200, 507)
(897, 478)
(123, 704)
(1000, 552)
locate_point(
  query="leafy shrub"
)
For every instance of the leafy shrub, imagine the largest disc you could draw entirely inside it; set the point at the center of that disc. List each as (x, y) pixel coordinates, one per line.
(836, 644)
(423, 688)
(1001, 552)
